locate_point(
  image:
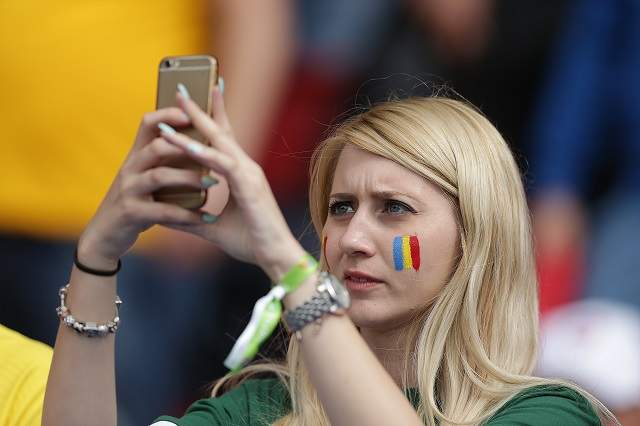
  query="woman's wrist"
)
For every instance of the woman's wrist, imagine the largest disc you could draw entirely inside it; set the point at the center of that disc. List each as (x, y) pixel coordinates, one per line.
(290, 256)
(90, 255)
(282, 259)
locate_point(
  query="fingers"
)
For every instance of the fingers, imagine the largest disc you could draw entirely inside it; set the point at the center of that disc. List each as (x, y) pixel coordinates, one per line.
(148, 212)
(152, 155)
(162, 177)
(148, 129)
(209, 157)
(218, 110)
(218, 134)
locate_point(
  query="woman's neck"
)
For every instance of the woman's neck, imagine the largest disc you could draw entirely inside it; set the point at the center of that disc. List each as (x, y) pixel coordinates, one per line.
(389, 347)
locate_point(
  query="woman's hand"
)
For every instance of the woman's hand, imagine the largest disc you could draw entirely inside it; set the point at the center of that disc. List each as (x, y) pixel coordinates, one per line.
(129, 208)
(251, 227)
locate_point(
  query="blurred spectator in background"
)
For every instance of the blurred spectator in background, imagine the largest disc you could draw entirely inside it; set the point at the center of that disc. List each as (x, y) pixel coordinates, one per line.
(24, 367)
(585, 151)
(492, 52)
(75, 78)
(585, 158)
(596, 344)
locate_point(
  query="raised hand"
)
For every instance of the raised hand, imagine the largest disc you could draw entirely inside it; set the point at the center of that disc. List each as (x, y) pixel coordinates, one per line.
(129, 208)
(251, 227)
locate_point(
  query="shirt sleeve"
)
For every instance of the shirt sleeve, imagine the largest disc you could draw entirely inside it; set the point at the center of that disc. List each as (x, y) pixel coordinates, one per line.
(253, 402)
(23, 379)
(547, 406)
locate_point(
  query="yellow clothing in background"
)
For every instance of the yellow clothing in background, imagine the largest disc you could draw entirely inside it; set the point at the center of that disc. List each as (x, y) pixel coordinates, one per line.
(24, 368)
(75, 80)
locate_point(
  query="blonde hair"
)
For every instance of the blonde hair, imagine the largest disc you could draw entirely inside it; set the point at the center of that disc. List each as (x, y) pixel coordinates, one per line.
(475, 347)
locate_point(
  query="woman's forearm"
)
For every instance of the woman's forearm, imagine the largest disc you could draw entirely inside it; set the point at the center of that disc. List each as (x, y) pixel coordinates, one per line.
(81, 389)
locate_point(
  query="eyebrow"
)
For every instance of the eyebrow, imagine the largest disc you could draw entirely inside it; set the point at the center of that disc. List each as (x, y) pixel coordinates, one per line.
(377, 194)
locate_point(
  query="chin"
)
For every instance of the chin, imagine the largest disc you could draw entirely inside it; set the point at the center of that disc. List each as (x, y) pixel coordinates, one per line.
(373, 315)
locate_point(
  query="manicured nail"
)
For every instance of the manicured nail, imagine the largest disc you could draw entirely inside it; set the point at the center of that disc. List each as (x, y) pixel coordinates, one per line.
(221, 84)
(165, 128)
(196, 148)
(209, 218)
(208, 181)
(183, 91)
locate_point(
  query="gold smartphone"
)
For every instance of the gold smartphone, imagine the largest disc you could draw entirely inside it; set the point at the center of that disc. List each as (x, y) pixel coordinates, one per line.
(199, 74)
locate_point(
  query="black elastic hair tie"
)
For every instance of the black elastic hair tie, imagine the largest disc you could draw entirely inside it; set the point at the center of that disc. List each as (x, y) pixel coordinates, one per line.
(92, 271)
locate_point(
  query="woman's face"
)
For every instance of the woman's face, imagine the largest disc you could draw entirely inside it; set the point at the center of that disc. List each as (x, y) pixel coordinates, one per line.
(391, 237)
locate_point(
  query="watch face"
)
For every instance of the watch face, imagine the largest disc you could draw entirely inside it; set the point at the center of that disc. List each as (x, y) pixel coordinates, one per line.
(338, 292)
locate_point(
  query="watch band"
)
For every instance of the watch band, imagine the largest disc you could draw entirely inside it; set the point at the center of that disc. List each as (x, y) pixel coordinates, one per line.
(310, 311)
(330, 297)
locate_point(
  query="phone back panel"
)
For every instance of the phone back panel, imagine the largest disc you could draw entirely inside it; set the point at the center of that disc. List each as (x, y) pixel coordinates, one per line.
(199, 74)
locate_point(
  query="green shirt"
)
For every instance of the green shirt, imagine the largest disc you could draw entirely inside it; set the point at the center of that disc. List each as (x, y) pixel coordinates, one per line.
(261, 402)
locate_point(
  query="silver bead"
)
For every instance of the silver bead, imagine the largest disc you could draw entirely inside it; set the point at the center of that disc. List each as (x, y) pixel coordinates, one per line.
(88, 329)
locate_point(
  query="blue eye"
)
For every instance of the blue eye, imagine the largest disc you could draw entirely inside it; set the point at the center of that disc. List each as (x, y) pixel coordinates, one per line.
(340, 208)
(395, 207)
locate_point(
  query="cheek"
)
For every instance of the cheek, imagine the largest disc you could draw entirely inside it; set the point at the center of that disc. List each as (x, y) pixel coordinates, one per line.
(406, 252)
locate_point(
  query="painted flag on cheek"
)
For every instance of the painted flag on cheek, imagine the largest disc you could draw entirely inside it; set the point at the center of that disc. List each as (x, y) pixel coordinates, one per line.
(406, 252)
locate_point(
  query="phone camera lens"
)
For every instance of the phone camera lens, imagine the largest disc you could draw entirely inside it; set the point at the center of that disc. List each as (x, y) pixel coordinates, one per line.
(168, 63)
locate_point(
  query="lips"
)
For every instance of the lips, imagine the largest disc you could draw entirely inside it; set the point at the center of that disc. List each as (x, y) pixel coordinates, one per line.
(360, 276)
(358, 281)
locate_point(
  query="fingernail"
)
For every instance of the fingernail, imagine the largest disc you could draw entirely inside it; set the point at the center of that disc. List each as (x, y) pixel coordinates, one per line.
(195, 147)
(209, 218)
(165, 128)
(221, 84)
(183, 91)
(208, 181)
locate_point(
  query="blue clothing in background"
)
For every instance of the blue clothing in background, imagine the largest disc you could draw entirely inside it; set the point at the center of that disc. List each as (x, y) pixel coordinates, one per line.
(590, 106)
(589, 116)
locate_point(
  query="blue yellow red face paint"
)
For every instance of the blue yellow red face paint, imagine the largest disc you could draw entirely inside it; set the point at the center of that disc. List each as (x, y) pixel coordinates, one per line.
(406, 252)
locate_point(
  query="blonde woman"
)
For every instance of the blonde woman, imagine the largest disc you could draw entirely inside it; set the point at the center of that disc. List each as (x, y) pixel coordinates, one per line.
(426, 239)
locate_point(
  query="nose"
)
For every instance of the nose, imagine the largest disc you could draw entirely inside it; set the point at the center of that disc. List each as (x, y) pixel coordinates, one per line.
(356, 239)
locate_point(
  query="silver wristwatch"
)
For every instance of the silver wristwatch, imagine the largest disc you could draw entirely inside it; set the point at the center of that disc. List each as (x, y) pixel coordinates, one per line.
(330, 297)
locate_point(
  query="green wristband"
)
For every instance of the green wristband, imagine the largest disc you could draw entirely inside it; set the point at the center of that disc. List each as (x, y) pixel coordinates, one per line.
(266, 314)
(299, 273)
(264, 319)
